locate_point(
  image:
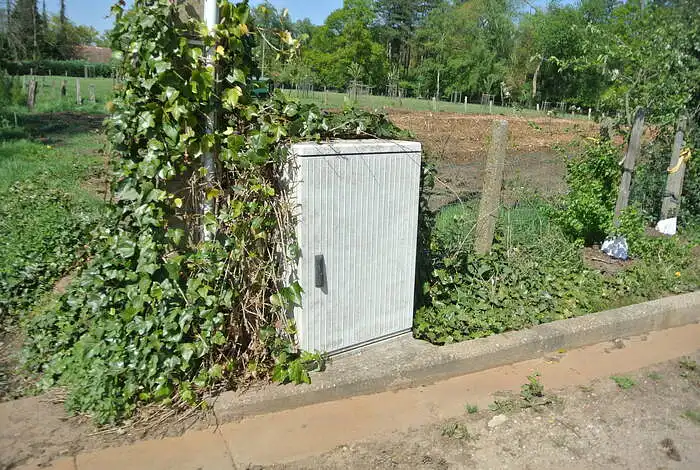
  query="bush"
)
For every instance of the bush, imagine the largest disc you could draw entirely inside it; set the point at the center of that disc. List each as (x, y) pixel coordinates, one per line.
(593, 178)
(74, 68)
(535, 274)
(11, 92)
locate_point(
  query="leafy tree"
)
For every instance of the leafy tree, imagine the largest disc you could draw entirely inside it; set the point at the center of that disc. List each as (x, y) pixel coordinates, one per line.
(62, 37)
(468, 44)
(547, 38)
(26, 30)
(400, 19)
(347, 36)
(646, 57)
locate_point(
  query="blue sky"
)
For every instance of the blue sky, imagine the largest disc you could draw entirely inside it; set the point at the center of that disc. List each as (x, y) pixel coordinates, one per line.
(96, 12)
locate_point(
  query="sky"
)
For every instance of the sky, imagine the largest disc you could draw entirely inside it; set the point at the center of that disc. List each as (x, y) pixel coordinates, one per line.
(96, 12)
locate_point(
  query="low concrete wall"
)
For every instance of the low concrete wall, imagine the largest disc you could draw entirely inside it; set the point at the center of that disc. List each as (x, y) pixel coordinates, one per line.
(406, 362)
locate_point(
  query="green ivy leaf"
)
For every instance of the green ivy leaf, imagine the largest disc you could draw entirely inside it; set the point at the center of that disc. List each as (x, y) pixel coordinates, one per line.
(231, 97)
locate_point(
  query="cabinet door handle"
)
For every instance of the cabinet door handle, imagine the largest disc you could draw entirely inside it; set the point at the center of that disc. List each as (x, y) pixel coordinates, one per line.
(319, 271)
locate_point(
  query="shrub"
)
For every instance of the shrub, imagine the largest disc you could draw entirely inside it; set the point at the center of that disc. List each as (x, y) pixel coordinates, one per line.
(593, 179)
(74, 68)
(11, 92)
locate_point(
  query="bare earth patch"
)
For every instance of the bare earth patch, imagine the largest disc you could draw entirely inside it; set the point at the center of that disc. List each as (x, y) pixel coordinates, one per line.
(651, 425)
(458, 144)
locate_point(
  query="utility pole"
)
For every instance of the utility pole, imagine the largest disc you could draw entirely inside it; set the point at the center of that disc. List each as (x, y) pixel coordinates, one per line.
(211, 19)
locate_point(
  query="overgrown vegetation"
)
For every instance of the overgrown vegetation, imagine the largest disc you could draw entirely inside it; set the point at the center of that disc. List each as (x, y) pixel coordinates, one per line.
(11, 93)
(184, 293)
(535, 272)
(593, 178)
(45, 218)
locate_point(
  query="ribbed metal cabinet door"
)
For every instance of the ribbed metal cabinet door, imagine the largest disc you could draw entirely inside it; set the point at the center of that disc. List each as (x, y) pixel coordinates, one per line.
(358, 214)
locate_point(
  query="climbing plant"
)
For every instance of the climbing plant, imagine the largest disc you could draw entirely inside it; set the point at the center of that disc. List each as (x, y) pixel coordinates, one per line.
(185, 293)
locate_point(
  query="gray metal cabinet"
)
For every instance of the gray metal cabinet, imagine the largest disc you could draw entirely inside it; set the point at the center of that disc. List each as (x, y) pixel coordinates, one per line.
(357, 215)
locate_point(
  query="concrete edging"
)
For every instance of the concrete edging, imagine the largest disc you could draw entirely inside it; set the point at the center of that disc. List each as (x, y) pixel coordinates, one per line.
(404, 362)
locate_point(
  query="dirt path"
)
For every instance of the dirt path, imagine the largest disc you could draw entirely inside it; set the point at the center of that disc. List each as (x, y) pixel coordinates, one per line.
(584, 421)
(654, 424)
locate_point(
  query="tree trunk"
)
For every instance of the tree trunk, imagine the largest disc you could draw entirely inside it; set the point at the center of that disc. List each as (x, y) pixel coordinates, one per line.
(534, 79)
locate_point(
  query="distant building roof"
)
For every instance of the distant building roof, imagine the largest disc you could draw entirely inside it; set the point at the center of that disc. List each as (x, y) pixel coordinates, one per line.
(94, 54)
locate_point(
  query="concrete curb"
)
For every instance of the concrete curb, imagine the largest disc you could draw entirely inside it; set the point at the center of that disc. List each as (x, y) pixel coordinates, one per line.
(405, 362)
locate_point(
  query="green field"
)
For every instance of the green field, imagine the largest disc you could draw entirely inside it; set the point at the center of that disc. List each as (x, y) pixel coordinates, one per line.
(334, 100)
(49, 99)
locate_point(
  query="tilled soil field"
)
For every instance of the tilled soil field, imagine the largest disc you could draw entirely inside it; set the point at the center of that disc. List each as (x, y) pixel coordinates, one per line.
(458, 144)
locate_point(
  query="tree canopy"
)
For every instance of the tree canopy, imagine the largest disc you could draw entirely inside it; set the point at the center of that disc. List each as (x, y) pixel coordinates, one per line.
(28, 34)
(604, 54)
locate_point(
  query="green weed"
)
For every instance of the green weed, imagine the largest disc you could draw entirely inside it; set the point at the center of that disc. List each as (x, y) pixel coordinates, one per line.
(655, 376)
(623, 382)
(693, 416)
(688, 364)
(471, 409)
(504, 405)
(456, 430)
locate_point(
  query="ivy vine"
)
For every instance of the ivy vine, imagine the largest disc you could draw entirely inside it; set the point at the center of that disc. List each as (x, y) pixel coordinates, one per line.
(161, 313)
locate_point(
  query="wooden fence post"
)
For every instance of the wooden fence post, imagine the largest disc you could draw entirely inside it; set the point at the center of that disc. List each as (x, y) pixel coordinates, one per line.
(78, 98)
(63, 88)
(91, 88)
(633, 150)
(31, 95)
(465, 104)
(491, 191)
(670, 204)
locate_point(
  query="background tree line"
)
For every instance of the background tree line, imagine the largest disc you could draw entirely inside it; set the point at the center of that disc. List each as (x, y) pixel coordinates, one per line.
(603, 54)
(28, 33)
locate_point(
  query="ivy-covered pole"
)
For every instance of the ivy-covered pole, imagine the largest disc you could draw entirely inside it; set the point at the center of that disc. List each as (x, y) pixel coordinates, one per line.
(209, 157)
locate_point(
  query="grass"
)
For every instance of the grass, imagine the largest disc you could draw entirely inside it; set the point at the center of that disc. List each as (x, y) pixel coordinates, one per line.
(693, 416)
(525, 225)
(688, 364)
(625, 383)
(49, 99)
(334, 100)
(655, 376)
(46, 212)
